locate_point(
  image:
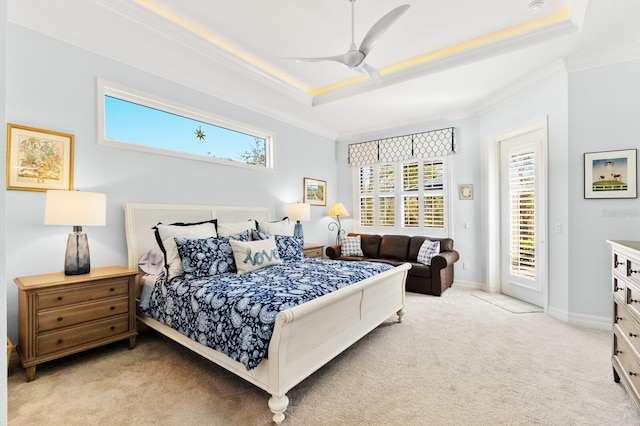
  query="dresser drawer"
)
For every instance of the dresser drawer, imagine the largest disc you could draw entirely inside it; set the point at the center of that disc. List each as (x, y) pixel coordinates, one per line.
(626, 364)
(628, 327)
(633, 300)
(633, 270)
(620, 263)
(76, 314)
(97, 290)
(619, 290)
(68, 338)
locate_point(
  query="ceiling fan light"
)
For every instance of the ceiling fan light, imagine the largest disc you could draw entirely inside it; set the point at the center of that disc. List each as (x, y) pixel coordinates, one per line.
(535, 6)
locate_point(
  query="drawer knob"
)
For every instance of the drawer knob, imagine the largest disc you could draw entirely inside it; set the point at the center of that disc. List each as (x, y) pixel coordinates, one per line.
(617, 288)
(59, 341)
(618, 264)
(633, 271)
(631, 373)
(633, 300)
(112, 289)
(633, 335)
(618, 318)
(59, 318)
(617, 351)
(113, 308)
(59, 297)
(113, 328)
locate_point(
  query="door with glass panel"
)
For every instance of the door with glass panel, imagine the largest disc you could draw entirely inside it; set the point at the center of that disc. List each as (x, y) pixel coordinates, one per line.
(523, 218)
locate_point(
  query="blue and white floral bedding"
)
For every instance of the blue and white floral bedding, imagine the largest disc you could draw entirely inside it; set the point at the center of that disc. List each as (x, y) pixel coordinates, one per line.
(235, 314)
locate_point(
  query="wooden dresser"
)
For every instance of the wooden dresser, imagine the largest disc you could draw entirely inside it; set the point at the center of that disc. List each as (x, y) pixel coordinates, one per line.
(626, 316)
(63, 314)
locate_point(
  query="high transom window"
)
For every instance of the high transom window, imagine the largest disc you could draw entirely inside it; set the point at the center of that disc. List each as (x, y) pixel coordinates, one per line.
(133, 120)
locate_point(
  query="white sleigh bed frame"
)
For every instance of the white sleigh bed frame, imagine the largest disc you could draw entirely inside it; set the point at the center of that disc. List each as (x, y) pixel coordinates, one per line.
(305, 337)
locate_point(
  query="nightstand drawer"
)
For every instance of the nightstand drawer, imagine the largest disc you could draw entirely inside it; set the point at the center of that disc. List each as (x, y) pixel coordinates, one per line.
(99, 290)
(63, 317)
(315, 252)
(74, 336)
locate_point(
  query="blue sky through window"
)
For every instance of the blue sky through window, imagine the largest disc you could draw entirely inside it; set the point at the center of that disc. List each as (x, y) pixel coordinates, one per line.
(141, 125)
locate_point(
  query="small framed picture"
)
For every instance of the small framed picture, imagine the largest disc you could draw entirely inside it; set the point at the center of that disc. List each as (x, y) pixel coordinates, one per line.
(610, 174)
(465, 191)
(38, 160)
(315, 192)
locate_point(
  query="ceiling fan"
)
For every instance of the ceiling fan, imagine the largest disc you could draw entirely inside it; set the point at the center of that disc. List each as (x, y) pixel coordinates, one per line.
(355, 57)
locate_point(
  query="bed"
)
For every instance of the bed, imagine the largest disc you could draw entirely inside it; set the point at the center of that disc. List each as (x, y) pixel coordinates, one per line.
(305, 337)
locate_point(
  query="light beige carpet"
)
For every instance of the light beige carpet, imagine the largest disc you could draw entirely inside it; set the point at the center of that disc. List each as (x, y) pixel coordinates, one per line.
(455, 360)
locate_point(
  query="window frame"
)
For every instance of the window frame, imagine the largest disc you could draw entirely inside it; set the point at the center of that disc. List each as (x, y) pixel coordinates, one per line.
(118, 91)
(400, 193)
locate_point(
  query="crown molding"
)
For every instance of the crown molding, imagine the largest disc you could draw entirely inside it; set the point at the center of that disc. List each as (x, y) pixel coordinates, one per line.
(610, 55)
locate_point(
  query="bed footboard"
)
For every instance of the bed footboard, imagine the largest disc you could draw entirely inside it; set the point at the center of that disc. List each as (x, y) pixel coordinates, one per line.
(308, 336)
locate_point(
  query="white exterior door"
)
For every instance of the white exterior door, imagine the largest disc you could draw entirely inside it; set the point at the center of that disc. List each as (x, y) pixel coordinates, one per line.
(523, 217)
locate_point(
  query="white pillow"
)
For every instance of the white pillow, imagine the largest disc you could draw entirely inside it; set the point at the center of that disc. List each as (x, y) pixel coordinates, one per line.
(282, 227)
(254, 255)
(167, 234)
(428, 249)
(231, 228)
(351, 246)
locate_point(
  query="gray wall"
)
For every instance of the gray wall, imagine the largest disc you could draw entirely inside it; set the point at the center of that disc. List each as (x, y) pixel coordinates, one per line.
(53, 86)
(604, 109)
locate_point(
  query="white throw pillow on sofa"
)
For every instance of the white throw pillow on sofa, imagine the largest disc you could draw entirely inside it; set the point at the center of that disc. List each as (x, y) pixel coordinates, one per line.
(428, 249)
(351, 246)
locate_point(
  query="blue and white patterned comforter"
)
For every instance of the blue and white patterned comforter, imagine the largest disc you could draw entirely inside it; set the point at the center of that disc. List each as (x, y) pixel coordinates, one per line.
(235, 314)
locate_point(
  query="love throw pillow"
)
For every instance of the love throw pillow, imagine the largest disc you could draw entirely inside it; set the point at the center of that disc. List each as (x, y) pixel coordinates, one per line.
(253, 255)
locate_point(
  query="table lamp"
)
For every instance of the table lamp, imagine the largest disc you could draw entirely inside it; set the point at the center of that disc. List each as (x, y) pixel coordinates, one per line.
(77, 209)
(337, 210)
(298, 212)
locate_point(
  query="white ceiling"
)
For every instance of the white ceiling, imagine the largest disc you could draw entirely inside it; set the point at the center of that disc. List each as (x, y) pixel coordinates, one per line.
(442, 59)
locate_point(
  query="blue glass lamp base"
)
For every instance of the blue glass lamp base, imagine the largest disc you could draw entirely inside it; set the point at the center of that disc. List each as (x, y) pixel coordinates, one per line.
(297, 230)
(76, 258)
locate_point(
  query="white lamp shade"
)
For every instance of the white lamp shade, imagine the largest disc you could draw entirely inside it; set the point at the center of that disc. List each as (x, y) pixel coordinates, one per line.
(75, 208)
(337, 210)
(299, 211)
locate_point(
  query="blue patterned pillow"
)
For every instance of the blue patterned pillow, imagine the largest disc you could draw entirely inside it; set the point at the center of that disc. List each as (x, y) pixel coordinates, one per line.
(289, 248)
(208, 256)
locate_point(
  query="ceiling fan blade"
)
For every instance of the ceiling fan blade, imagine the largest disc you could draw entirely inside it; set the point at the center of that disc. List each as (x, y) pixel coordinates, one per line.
(381, 27)
(336, 58)
(371, 72)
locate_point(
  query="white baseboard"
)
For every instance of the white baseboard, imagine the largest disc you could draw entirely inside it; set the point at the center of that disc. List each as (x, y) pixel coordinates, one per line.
(468, 285)
(581, 320)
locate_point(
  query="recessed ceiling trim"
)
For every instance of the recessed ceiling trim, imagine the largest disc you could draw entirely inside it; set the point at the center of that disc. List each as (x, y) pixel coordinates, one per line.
(442, 60)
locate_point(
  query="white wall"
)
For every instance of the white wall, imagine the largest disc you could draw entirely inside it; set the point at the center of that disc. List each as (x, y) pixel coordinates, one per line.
(604, 112)
(3, 204)
(53, 86)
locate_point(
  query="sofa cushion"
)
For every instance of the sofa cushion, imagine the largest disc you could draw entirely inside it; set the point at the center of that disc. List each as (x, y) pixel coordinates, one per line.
(370, 244)
(420, 270)
(394, 247)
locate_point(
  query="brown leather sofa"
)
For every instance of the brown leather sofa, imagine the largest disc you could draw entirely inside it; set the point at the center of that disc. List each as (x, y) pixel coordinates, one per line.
(431, 279)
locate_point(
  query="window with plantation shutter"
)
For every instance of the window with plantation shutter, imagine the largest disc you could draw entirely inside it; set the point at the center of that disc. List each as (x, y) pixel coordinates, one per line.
(406, 197)
(522, 214)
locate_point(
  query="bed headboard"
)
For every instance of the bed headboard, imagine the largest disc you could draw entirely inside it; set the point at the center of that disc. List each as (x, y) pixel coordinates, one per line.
(140, 218)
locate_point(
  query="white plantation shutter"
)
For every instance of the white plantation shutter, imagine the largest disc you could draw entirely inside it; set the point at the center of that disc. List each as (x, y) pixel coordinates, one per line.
(387, 211)
(387, 181)
(434, 211)
(411, 211)
(366, 211)
(522, 214)
(410, 177)
(366, 180)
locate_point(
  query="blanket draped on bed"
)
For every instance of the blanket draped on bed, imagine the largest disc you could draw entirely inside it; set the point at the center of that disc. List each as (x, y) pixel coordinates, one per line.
(235, 314)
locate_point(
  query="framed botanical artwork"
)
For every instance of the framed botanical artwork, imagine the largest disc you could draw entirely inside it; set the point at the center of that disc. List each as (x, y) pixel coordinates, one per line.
(465, 191)
(38, 160)
(610, 174)
(315, 192)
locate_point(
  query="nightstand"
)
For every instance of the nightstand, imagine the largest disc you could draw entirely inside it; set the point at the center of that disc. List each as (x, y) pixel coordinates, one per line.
(63, 314)
(313, 250)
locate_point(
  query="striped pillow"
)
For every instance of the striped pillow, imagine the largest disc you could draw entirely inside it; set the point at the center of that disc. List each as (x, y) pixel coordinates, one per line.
(351, 246)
